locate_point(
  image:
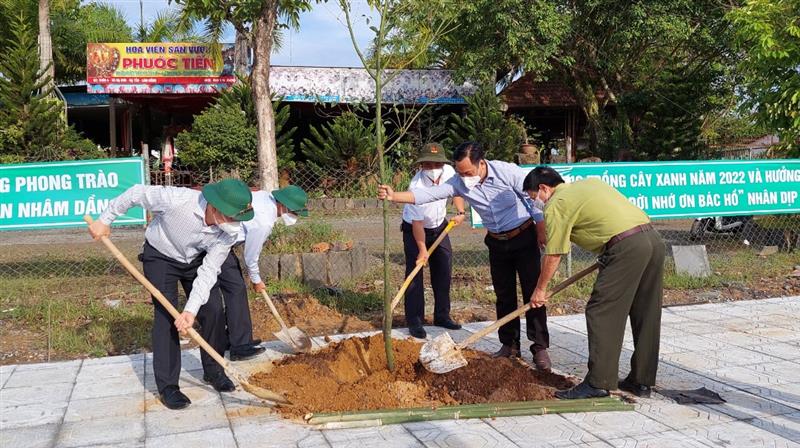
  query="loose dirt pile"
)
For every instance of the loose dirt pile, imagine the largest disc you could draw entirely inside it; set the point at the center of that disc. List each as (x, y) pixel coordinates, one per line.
(352, 375)
(304, 312)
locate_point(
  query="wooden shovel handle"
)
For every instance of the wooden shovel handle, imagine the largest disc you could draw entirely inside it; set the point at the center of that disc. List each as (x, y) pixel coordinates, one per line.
(524, 308)
(160, 297)
(274, 310)
(419, 266)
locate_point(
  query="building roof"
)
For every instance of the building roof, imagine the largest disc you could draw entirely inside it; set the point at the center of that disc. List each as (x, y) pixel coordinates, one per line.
(528, 92)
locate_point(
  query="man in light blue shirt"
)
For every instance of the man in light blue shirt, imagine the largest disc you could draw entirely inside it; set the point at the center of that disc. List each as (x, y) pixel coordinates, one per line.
(515, 232)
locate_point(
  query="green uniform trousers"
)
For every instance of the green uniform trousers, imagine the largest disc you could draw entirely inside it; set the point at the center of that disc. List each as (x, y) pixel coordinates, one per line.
(630, 283)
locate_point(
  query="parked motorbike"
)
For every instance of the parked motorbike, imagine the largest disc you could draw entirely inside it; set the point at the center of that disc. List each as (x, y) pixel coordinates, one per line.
(729, 225)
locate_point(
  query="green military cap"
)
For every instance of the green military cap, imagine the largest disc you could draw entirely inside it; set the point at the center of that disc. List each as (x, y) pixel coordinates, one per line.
(294, 198)
(432, 152)
(231, 197)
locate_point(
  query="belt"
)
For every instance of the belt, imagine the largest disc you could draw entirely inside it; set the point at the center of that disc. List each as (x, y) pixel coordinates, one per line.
(504, 236)
(630, 232)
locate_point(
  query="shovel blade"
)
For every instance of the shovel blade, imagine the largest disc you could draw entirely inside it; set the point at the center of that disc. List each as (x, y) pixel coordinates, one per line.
(295, 338)
(441, 355)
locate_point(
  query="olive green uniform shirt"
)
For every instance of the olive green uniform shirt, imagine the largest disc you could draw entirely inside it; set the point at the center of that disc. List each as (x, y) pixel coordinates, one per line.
(589, 213)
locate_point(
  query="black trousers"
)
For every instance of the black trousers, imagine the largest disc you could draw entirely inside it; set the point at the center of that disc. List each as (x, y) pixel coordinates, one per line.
(509, 259)
(441, 265)
(237, 307)
(165, 273)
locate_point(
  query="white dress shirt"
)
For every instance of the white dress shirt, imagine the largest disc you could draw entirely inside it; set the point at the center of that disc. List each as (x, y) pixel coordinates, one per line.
(256, 231)
(432, 213)
(179, 231)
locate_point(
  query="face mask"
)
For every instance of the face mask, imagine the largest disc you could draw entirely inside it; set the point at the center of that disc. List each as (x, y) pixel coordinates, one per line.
(471, 181)
(289, 219)
(231, 228)
(433, 174)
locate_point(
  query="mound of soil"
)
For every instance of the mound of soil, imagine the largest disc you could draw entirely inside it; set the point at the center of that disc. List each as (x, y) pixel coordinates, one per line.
(304, 312)
(352, 375)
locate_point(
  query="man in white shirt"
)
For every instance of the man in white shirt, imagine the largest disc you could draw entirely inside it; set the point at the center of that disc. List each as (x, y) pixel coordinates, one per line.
(285, 204)
(422, 225)
(187, 241)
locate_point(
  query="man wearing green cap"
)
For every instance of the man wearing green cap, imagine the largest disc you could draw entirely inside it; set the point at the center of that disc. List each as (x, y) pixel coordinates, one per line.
(286, 204)
(422, 225)
(187, 242)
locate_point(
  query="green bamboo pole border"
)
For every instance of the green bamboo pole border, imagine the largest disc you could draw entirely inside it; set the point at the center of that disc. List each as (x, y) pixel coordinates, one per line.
(487, 410)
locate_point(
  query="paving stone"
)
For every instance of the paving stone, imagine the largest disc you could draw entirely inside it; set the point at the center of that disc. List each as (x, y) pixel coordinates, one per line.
(676, 416)
(38, 414)
(541, 430)
(24, 376)
(137, 358)
(744, 406)
(669, 439)
(109, 431)
(775, 333)
(275, 433)
(787, 394)
(193, 418)
(786, 425)
(29, 437)
(458, 434)
(315, 269)
(339, 267)
(92, 372)
(75, 363)
(19, 396)
(107, 387)
(5, 373)
(217, 438)
(96, 408)
(740, 435)
(383, 436)
(691, 260)
(606, 425)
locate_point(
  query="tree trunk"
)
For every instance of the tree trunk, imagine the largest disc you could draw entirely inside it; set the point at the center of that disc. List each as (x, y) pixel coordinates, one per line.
(587, 100)
(45, 42)
(263, 29)
(241, 53)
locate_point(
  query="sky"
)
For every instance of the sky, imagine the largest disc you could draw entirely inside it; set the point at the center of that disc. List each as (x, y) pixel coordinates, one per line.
(322, 40)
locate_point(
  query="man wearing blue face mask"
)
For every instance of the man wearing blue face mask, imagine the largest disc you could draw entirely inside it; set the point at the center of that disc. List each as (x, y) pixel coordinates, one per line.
(187, 241)
(515, 233)
(284, 204)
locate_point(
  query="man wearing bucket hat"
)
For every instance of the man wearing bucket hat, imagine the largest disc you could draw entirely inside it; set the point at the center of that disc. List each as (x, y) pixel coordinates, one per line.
(285, 204)
(186, 242)
(422, 225)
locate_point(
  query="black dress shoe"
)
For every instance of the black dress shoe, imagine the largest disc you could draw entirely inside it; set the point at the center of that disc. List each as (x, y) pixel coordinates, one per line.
(446, 322)
(220, 382)
(506, 351)
(245, 353)
(418, 331)
(640, 390)
(583, 390)
(173, 398)
(255, 342)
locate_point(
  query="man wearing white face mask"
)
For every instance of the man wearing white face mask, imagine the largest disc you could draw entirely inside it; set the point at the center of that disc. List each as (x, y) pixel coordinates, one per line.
(187, 242)
(515, 232)
(284, 204)
(422, 225)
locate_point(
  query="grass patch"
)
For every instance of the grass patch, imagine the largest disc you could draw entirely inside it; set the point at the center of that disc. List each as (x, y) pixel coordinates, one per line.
(300, 237)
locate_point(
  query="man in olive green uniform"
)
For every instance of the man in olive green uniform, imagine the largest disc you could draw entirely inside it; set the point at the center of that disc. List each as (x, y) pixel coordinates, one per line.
(598, 218)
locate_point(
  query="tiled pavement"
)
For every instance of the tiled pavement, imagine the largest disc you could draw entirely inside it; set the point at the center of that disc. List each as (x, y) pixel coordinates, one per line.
(749, 352)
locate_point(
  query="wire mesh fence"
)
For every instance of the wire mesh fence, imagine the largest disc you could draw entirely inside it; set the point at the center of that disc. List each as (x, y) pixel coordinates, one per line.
(345, 214)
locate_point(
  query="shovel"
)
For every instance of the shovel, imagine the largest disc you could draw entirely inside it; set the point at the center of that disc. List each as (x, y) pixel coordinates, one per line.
(293, 337)
(234, 373)
(442, 354)
(414, 273)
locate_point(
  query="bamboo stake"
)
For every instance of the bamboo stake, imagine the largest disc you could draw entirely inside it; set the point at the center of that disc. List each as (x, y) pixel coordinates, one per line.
(391, 416)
